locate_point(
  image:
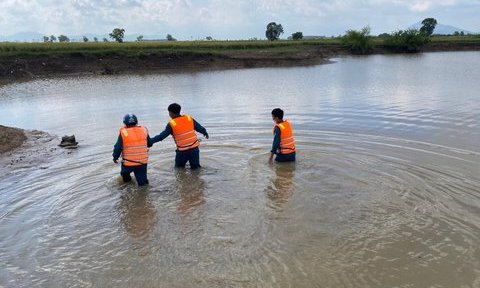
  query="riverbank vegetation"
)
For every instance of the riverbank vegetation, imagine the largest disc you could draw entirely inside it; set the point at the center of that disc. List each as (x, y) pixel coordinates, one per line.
(409, 41)
(8, 50)
(355, 42)
(52, 57)
(359, 42)
(138, 49)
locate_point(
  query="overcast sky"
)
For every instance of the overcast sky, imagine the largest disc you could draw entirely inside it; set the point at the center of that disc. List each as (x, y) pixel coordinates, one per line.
(228, 19)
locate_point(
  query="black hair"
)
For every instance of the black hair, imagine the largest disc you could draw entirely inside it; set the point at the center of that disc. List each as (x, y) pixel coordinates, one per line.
(174, 108)
(277, 112)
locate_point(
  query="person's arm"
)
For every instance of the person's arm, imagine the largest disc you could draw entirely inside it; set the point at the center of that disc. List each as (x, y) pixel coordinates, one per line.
(149, 141)
(276, 143)
(200, 129)
(117, 149)
(164, 134)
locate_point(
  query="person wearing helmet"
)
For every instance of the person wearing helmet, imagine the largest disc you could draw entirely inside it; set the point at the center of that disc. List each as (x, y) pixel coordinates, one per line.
(132, 145)
(182, 128)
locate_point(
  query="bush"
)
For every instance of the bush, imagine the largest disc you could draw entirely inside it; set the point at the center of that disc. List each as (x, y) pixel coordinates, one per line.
(359, 42)
(297, 35)
(409, 41)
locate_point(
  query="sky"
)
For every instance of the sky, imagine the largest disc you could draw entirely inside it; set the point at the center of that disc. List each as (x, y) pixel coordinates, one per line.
(229, 19)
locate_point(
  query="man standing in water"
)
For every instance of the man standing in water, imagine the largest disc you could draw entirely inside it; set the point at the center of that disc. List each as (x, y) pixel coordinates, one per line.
(283, 141)
(182, 128)
(132, 144)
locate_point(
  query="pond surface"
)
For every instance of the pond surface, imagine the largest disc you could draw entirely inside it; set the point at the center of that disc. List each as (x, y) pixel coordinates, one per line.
(385, 191)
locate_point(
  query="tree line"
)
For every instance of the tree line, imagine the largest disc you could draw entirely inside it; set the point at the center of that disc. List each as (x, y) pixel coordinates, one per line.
(359, 42)
(117, 35)
(410, 40)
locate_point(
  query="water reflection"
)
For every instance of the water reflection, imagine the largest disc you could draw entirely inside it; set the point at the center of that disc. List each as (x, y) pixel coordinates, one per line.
(190, 188)
(137, 213)
(281, 188)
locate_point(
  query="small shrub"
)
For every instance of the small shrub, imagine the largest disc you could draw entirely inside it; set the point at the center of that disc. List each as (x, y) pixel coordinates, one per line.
(297, 36)
(409, 41)
(359, 42)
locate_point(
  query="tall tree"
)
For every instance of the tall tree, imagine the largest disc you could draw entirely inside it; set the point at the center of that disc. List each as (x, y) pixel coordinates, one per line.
(428, 25)
(118, 34)
(273, 31)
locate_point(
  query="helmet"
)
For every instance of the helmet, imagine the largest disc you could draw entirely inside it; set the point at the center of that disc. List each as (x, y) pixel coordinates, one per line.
(130, 120)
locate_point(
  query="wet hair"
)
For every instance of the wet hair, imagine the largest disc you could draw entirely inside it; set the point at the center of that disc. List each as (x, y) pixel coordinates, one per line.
(174, 108)
(277, 112)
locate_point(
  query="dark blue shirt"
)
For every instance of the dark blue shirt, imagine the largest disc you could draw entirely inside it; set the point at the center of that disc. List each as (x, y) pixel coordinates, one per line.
(168, 131)
(276, 141)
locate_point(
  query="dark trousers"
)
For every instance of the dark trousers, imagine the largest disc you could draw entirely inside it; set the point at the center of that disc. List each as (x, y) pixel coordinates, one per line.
(285, 157)
(140, 173)
(192, 156)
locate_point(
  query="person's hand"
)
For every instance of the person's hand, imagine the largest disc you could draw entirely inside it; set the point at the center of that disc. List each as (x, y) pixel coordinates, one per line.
(115, 161)
(270, 159)
(206, 136)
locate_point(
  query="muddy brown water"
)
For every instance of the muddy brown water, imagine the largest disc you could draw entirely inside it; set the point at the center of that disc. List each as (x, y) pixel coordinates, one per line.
(385, 192)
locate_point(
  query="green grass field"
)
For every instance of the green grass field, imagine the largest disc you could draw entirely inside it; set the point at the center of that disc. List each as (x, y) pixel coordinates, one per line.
(132, 49)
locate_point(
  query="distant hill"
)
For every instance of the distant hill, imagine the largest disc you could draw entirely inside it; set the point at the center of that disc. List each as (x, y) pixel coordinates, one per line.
(442, 29)
(23, 37)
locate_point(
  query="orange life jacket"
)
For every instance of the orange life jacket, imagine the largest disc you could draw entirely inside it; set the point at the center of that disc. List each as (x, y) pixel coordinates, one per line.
(287, 142)
(135, 150)
(183, 132)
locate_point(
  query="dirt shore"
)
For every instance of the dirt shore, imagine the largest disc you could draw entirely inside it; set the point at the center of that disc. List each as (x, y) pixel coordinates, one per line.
(23, 150)
(24, 68)
(11, 138)
(20, 69)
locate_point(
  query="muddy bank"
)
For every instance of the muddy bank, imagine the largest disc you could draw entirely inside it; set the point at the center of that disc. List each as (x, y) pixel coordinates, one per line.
(95, 63)
(81, 64)
(26, 149)
(10, 138)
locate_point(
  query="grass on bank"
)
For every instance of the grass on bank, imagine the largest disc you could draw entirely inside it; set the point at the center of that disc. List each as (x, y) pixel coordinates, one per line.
(131, 48)
(136, 49)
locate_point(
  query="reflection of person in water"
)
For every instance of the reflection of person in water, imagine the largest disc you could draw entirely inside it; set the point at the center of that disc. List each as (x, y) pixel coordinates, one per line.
(190, 187)
(137, 213)
(282, 187)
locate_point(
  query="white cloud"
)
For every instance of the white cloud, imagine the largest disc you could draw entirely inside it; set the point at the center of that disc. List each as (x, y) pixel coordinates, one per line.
(421, 6)
(228, 18)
